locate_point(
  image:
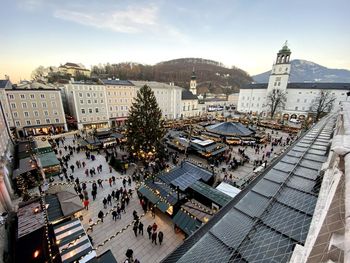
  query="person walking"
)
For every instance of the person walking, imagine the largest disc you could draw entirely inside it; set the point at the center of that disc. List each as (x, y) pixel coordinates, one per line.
(86, 204)
(118, 211)
(140, 228)
(149, 231)
(154, 237)
(99, 181)
(100, 215)
(135, 228)
(104, 201)
(154, 227)
(114, 215)
(109, 199)
(110, 181)
(122, 207)
(160, 237)
(93, 193)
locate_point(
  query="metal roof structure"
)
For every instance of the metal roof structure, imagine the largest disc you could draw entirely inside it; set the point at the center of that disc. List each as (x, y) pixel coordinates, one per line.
(265, 221)
(185, 175)
(211, 193)
(230, 129)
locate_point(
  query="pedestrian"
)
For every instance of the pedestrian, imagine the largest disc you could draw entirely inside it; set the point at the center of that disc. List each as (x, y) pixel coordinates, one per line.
(81, 196)
(104, 203)
(154, 237)
(86, 204)
(118, 211)
(113, 179)
(122, 207)
(100, 216)
(154, 227)
(110, 169)
(72, 168)
(93, 193)
(129, 181)
(124, 183)
(109, 199)
(99, 181)
(114, 215)
(160, 237)
(110, 181)
(140, 228)
(149, 231)
(135, 228)
(153, 212)
(117, 194)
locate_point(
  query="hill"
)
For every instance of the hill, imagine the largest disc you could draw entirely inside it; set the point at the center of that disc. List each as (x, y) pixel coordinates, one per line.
(212, 76)
(307, 71)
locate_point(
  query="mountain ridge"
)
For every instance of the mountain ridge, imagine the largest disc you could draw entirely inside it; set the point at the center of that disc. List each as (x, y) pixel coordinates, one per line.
(308, 71)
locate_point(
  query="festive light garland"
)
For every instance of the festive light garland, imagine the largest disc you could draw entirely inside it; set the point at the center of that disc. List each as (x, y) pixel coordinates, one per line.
(43, 207)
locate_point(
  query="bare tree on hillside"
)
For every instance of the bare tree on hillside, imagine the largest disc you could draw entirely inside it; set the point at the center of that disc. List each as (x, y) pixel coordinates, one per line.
(276, 99)
(323, 104)
(38, 73)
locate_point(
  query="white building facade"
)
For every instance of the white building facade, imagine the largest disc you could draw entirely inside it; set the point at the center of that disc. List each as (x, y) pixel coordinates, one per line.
(300, 96)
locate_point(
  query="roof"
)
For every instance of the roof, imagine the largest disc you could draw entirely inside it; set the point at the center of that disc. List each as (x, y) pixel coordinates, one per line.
(186, 222)
(153, 84)
(304, 85)
(185, 175)
(54, 211)
(188, 95)
(117, 82)
(211, 193)
(265, 221)
(48, 159)
(82, 249)
(28, 220)
(70, 64)
(25, 165)
(4, 83)
(230, 129)
(228, 189)
(199, 210)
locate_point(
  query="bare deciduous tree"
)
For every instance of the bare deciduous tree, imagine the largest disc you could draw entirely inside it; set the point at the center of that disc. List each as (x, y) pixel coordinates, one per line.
(275, 100)
(323, 103)
(38, 73)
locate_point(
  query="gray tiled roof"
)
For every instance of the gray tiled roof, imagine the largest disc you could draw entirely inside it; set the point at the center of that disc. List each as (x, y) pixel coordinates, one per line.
(230, 129)
(188, 95)
(3, 83)
(265, 221)
(117, 82)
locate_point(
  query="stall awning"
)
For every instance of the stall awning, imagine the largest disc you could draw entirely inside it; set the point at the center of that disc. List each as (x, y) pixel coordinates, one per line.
(186, 222)
(48, 159)
(82, 142)
(153, 198)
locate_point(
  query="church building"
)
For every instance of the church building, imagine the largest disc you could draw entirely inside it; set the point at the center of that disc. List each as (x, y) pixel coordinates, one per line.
(300, 96)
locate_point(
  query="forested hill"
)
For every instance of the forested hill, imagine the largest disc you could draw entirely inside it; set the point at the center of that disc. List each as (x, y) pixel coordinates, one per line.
(211, 76)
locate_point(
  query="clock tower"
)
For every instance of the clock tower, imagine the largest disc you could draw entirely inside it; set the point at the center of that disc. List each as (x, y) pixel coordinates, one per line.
(280, 70)
(193, 83)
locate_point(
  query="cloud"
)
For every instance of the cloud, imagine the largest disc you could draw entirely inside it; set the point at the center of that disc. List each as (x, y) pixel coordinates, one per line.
(131, 20)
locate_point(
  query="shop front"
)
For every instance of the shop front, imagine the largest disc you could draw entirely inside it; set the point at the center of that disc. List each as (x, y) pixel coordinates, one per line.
(44, 129)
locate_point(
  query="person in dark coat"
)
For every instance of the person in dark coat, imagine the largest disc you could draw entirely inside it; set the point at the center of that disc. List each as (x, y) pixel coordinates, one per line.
(135, 228)
(154, 237)
(149, 231)
(114, 215)
(100, 215)
(104, 203)
(140, 228)
(109, 199)
(160, 237)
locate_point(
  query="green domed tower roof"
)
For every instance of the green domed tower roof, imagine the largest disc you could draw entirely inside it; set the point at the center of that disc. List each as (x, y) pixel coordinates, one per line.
(285, 49)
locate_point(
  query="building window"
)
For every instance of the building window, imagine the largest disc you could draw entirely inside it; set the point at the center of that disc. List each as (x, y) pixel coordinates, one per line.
(296, 108)
(53, 103)
(36, 113)
(26, 114)
(83, 111)
(88, 95)
(24, 105)
(305, 100)
(18, 123)
(37, 122)
(52, 96)
(28, 122)
(101, 101)
(46, 113)
(95, 101)
(108, 93)
(81, 102)
(101, 95)
(94, 95)
(55, 113)
(42, 96)
(89, 101)
(96, 110)
(116, 108)
(299, 92)
(15, 114)
(11, 97)
(23, 96)
(32, 96)
(121, 107)
(80, 95)
(126, 107)
(303, 108)
(44, 105)
(48, 121)
(57, 120)
(34, 104)
(90, 110)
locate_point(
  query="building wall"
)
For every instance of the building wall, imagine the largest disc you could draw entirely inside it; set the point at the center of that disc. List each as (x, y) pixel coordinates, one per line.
(119, 101)
(232, 99)
(88, 105)
(189, 108)
(4, 134)
(35, 108)
(251, 100)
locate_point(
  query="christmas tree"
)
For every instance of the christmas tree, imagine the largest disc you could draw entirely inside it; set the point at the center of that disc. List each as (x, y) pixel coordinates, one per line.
(145, 126)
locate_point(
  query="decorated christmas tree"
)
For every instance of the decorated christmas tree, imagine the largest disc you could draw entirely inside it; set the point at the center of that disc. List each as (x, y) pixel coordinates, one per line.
(145, 126)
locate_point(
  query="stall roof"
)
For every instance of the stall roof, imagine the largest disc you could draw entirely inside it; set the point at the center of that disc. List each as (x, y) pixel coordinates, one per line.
(25, 165)
(42, 143)
(211, 193)
(81, 249)
(28, 220)
(265, 221)
(48, 159)
(117, 135)
(185, 175)
(54, 210)
(230, 129)
(228, 189)
(82, 142)
(187, 223)
(93, 141)
(199, 210)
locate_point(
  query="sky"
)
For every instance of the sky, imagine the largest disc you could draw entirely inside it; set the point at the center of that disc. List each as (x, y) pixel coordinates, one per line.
(242, 33)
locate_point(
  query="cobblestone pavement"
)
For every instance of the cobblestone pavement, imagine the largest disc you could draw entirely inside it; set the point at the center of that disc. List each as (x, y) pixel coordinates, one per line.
(143, 249)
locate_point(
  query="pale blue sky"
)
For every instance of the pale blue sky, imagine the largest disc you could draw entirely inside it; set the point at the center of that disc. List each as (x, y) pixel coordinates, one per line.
(244, 33)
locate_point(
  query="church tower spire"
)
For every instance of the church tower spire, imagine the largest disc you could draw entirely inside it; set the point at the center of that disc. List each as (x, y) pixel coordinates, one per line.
(280, 72)
(193, 83)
